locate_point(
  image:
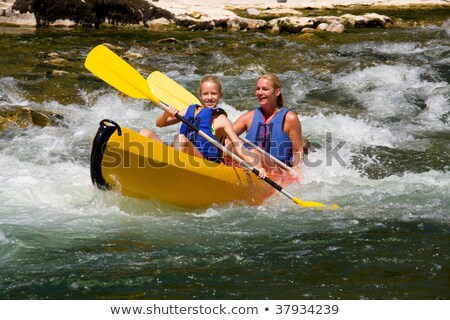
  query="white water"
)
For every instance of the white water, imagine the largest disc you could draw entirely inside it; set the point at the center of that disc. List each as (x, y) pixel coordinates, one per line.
(47, 169)
(53, 219)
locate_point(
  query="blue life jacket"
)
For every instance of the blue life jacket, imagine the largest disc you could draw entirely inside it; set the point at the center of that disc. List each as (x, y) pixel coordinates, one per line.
(275, 141)
(202, 121)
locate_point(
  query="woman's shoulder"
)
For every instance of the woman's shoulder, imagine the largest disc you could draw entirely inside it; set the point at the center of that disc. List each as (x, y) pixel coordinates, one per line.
(292, 118)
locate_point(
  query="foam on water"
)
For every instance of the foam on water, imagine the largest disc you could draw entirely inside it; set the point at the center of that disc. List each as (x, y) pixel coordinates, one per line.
(60, 186)
(353, 131)
(52, 170)
(53, 162)
(385, 89)
(10, 94)
(385, 48)
(45, 171)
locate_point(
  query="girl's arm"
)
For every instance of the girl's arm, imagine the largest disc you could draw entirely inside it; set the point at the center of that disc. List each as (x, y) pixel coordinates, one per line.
(168, 118)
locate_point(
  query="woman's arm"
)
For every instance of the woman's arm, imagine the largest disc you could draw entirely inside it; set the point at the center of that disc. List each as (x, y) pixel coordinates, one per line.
(293, 129)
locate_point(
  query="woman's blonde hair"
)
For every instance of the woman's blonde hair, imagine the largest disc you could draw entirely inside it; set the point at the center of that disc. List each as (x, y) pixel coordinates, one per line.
(276, 85)
(213, 79)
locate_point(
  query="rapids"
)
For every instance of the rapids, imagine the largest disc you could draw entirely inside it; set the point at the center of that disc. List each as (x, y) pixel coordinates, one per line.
(374, 102)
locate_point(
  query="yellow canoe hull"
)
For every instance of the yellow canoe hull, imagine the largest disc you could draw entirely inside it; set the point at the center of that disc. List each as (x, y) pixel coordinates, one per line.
(136, 166)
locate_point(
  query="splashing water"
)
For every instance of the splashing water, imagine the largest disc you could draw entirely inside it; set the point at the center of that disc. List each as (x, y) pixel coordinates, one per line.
(386, 100)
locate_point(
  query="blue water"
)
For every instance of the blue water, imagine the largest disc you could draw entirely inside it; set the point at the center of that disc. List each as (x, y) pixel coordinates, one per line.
(384, 94)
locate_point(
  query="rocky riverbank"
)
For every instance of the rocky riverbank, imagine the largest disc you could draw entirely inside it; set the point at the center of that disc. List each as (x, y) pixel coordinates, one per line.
(292, 16)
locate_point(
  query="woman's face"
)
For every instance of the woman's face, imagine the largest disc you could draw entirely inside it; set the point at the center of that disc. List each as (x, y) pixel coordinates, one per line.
(210, 94)
(266, 93)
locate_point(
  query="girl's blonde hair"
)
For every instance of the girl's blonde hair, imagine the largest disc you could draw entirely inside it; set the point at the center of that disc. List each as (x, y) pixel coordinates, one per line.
(276, 85)
(213, 79)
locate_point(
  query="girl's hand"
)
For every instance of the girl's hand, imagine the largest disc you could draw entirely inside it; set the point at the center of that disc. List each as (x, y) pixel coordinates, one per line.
(172, 111)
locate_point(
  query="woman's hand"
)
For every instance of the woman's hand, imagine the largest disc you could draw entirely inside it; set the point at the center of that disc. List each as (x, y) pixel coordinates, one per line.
(262, 173)
(295, 172)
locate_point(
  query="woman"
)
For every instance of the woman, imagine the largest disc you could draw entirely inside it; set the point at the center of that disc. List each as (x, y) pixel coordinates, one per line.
(272, 126)
(211, 120)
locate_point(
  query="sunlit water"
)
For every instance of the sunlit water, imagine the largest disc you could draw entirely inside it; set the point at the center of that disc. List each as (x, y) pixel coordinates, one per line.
(374, 102)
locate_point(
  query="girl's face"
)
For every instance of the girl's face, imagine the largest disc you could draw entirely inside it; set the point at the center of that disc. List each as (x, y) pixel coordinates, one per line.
(266, 93)
(210, 94)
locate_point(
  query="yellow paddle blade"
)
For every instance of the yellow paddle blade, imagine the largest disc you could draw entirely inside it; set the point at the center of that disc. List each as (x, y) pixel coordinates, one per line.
(109, 67)
(170, 92)
(313, 204)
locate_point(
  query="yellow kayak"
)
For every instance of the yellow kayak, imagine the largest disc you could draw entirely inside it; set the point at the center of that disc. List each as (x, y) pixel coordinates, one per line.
(136, 166)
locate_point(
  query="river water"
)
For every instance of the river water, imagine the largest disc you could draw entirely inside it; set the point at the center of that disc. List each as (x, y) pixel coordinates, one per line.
(375, 102)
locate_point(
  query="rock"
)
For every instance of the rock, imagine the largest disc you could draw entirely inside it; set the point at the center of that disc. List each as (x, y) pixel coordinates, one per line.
(59, 73)
(53, 55)
(196, 15)
(309, 30)
(377, 20)
(159, 24)
(132, 55)
(322, 26)
(354, 21)
(253, 11)
(6, 124)
(112, 46)
(40, 119)
(59, 62)
(370, 20)
(202, 26)
(336, 27)
(244, 24)
(293, 24)
(327, 19)
(167, 40)
(91, 13)
(23, 117)
(275, 28)
(281, 12)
